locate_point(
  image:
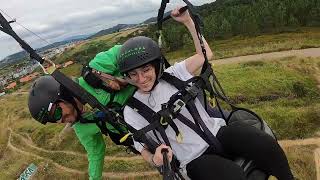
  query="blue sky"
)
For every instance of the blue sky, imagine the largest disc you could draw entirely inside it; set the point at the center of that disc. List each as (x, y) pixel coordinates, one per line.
(55, 20)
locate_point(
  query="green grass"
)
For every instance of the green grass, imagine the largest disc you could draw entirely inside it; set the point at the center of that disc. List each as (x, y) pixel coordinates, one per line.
(251, 82)
(72, 70)
(127, 166)
(290, 119)
(283, 92)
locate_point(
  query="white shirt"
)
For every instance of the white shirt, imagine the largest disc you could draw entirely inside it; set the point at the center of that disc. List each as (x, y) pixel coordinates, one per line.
(192, 145)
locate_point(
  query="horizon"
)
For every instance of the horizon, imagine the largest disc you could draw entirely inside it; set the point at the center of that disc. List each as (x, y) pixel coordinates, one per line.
(86, 18)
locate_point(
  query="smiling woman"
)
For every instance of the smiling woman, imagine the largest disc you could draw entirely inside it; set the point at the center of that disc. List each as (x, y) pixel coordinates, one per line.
(170, 123)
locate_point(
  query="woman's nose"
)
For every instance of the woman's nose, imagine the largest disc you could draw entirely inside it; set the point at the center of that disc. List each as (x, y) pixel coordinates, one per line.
(141, 77)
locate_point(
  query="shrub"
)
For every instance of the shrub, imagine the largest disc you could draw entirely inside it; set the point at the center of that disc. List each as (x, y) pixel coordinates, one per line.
(298, 89)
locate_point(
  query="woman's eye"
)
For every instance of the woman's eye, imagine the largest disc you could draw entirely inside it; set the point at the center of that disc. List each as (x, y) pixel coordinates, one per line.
(146, 69)
(132, 74)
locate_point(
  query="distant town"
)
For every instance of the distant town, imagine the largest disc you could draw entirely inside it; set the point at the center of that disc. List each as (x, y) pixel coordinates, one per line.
(22, 75)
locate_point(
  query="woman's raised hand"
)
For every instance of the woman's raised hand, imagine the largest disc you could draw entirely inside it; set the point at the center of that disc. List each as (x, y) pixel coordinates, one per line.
(184, 17)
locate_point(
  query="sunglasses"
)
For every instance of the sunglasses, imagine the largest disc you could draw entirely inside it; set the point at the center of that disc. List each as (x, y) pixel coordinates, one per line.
(57, 114)
(54, 112)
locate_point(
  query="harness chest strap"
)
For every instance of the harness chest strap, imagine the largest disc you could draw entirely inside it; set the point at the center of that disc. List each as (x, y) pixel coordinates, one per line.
(193, 91)
(174, 106)
(152, 117)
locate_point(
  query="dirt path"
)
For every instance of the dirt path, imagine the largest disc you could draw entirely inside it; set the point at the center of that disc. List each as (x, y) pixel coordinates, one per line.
(75, 171)
(300, 142)
(312, 52)
(107, 158)
(19, 93)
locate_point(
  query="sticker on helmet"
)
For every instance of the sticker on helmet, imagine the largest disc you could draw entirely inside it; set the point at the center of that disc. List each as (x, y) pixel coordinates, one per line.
(131, 52)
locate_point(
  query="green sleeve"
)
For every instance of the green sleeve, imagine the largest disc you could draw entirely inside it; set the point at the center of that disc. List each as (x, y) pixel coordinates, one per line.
(91, 139)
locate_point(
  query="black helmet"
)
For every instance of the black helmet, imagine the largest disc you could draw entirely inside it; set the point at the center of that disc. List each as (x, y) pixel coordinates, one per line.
(139, 51)
(44, 92)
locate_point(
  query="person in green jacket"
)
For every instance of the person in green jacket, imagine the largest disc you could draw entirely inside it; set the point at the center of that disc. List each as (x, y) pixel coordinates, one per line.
(50, 102)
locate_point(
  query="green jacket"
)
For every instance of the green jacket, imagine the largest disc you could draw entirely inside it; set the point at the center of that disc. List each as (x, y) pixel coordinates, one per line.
(90, 135)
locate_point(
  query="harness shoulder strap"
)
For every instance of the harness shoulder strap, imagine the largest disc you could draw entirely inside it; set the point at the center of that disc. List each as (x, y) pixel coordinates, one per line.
(205, 134)
(181, 85)
(148, 114)
(174, 81)
(139, 107)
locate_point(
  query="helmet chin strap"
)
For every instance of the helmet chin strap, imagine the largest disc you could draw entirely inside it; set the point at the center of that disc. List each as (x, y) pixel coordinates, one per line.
(75, 105)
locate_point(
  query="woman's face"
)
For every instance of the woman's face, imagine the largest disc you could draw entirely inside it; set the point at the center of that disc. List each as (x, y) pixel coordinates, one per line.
(143, 77)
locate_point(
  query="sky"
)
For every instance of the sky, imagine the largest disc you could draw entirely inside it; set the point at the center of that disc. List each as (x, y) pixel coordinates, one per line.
(56, 20)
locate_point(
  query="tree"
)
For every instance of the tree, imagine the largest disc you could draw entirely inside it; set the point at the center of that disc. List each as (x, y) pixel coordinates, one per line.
(314, 19)
(225, 28)
(187, 40)
(292, 21)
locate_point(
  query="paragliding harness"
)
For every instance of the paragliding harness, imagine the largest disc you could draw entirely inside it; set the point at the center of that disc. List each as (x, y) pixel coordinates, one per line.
(110, 113)
(95, 81)
(188, 91)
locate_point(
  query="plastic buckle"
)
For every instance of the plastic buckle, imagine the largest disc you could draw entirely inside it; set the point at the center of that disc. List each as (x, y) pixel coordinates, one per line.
(163, 121)
(193, 90)
(178, 104)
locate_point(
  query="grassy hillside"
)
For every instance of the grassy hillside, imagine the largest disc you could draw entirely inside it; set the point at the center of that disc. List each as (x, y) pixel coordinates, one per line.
(284, 92)
(84, 52)
(300, 38)
(243, 45)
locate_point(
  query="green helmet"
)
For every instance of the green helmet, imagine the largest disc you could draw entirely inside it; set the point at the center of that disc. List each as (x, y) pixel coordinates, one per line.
(45, 91)
(139, 51)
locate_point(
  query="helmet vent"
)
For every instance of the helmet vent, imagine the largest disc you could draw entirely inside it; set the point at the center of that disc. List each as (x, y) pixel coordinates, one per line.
(144, 56)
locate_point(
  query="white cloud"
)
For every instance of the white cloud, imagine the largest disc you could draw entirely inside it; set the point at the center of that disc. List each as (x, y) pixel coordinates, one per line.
(58, 19)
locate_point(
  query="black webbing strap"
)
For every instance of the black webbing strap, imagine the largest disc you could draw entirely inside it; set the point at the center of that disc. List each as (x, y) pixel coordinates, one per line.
(84, 97)
(75, 89)
(6, 28)
(152, 145)
(149, 115)
(86, 121)
(176, 82)
(197, 22)
(161, 13)
(103, 127)
(199, 124)
(197, 118)
(154, 124)
(215, 88)
(98, 121)
(195, 17)
(164, 116)
(193, 126)
(153, 118)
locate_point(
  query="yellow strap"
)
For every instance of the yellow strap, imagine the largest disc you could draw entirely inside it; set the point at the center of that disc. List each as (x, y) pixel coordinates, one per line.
(125, 137)
(163, 122)
(179, 138)
(51, 69)
(212, 102)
